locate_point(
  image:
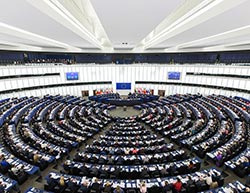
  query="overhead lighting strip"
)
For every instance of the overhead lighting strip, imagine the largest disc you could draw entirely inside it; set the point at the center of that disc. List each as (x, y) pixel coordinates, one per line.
(194, 13)
(14, 31)
(234, 32)
(58, 7)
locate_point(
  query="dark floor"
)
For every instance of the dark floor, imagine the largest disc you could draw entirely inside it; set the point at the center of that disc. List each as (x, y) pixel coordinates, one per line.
(39, 179)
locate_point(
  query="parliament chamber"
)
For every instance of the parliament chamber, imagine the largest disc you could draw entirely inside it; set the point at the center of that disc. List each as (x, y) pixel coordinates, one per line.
(173, 137)
(124, 96)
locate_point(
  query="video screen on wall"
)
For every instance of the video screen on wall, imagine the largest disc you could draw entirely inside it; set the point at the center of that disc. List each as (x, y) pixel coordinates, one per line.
(174, 75)
(72, 75)
(123, 86)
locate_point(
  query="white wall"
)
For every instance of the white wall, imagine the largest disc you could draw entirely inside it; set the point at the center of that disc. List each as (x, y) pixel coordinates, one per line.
(124, 73)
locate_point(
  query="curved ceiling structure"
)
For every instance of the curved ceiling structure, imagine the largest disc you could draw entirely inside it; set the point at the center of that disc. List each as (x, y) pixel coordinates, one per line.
(118, 26)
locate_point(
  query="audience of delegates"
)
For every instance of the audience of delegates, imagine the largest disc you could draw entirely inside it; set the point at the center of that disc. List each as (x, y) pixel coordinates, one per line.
(108, 92)
(143, 91)
(127, 150)
(199, 180)
(234, 187)
(103, 96)
(25, 144)
(42, 60)
(240, 164)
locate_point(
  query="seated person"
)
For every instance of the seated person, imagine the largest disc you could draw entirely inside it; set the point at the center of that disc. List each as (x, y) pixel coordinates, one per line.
(108, 187)
(118, 190)
(144, 173)
(5, 166)
(167, 188)
(177, 186)
(84, 188)
(246, 162)
(94, 171)
(72, 184)
(2, 187)
(190, 181)
(51, 181)
(191, 165)
(96, 186)
(239, 165)
(219, 159)
(15, 170)
(172, 169)
(143, 187)
(163, 171)
(209, 180)
(247, 189)
(62, 183)
(36, 158)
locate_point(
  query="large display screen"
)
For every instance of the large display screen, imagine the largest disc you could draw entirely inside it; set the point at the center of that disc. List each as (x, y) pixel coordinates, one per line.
(72, 75)
(123, 86)
(174, 75)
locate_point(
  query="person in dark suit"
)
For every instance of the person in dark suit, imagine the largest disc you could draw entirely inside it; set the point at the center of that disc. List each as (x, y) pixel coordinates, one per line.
(96, 186)
(84, 188)
(190, 184)
(144, 173)
(72, 184)
(118, 190)
(84, 170)
(94, 171)
(120, 160)
(2, 187)
(101, 160)
(117, 172)
(190, 181)
(51, 181)
(172, 169)
(104, 172)
(163, 171)
(5, 166)
(167, 188)
(108, 188)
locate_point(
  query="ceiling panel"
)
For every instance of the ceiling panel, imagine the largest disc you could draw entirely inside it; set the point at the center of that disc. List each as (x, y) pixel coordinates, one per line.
(129, 21)
(229, 20)
(21, 14)
(13, 39)
(126, 23)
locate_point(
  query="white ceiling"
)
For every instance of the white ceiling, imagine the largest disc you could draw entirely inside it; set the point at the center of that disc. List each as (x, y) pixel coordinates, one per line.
(129, 21)
(125, 25)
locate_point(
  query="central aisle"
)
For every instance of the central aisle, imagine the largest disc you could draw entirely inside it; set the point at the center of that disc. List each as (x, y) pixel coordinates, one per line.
(119, 112)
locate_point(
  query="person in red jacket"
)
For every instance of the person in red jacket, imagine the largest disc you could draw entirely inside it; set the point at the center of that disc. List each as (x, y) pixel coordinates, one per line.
(177, 186)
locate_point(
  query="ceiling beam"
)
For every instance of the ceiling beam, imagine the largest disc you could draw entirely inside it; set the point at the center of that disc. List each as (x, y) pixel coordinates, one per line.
(23, 34)
(186, 19)
(231, 34)
(68, 14)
